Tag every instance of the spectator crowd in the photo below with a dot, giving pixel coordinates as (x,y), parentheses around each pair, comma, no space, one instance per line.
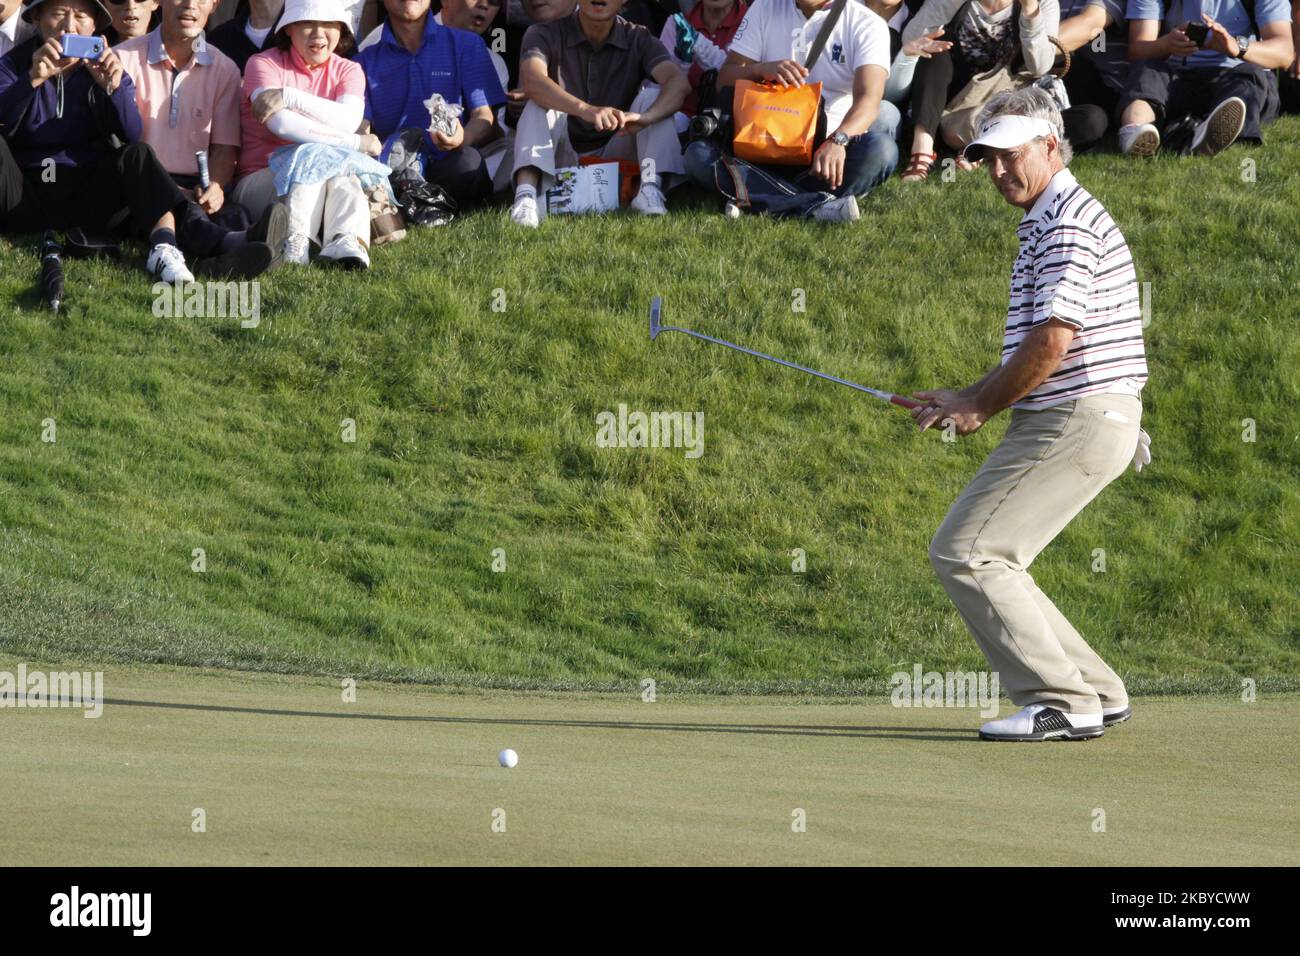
(237,135)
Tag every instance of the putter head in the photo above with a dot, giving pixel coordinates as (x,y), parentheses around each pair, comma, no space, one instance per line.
(656,304)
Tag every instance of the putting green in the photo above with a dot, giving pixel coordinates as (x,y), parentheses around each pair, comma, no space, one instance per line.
(287,773)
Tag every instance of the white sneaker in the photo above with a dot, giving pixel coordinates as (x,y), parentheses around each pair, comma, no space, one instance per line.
(844,209)
(1040,722)
(347,252)
(1221,128)
(295,250)
(1139,139)
(649,201)
(524,212)
(1116,715)
(165,262)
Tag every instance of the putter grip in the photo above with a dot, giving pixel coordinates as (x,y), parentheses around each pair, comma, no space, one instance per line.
(905,402)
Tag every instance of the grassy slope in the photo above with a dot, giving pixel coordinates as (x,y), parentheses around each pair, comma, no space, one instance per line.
(476,430)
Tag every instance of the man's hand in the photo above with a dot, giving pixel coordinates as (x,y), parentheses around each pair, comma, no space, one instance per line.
(1219,40)
(448,143)
(1177,43)
(939,396)
(828,164)
(268,104)
(966,413)
(516,100)
(927,45)
(604,118)
(785,72)
(107,71)
(48,62)
(210,200)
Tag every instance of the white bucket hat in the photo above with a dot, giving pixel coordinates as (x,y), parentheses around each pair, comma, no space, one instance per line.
(1008,131)
(326,11)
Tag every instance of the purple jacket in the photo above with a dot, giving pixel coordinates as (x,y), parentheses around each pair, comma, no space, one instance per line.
(68,119)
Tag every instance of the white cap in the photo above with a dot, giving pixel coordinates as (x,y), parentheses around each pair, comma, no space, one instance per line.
(1007,131)
(326,11)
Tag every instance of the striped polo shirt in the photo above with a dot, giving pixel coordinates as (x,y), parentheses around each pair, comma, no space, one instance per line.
(1074,265)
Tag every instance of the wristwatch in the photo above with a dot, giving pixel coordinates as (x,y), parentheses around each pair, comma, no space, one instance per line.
(839,138)
(1243,44)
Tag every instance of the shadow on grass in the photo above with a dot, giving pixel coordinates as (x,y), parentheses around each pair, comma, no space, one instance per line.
(799,730)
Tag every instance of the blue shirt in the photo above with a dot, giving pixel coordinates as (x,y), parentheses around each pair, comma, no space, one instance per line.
(452,62)
(1230,14)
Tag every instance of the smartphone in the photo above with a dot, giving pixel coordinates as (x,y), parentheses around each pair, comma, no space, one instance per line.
(1196,32)
(85,48)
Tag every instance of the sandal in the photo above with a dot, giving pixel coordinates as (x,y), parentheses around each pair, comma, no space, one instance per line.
(918,167)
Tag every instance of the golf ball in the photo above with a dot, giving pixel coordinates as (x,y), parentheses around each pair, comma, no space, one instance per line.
(507,758)
(732,211)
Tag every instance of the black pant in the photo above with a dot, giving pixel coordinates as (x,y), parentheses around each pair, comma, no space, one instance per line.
(1092,102)
(90,196)
(463,174)
(1289,90)
(1175,94)
(937,80)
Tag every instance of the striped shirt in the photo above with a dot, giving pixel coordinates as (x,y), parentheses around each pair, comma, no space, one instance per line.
(1074,265)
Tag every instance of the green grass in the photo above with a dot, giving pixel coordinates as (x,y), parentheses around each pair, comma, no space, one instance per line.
(476,431)
(288,774)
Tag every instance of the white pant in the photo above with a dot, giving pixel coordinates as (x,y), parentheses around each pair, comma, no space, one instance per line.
(542,141)
(329,209)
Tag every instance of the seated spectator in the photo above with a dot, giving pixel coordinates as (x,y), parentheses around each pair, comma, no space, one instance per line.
(60,167)
(522,14)
(131,18)
(985,34)
(1218,92)
(698,42)
(898,88)
(416,58)
(859,152)
(305,92)
(188,96)
(1096,35)
(248,32)
(13,28)
(477,16)
(596,86)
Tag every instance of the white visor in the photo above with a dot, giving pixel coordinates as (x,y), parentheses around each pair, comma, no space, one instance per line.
(1008,131)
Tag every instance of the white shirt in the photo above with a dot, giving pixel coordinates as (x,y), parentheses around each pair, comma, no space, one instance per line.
(14,31)
(777,30)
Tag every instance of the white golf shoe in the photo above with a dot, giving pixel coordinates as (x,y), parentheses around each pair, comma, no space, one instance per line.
(1115,715)
(844,209)
(524,212)
(347,252)
(1139,139)
(649,201)
(295,250)
(1040,722)
(166,262)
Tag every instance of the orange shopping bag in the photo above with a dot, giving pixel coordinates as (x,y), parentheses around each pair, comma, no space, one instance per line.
(775,124)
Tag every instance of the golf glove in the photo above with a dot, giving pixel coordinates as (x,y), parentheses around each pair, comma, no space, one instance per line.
(1142,454)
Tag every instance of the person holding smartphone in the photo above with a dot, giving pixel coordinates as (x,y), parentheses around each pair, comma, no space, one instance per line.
(1203,68)
(61,163)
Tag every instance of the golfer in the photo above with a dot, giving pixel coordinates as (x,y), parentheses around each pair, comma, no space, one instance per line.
(1072,371)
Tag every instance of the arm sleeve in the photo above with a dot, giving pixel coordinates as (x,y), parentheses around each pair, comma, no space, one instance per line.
(899,83)
(124,115)
(932,15)
(1065,264)
(15,96)
(536,43)
(652,52)
(748,39)
(668,37)
(708,55)
(480,85)
(343,114)
(1039,52)
(297,128)
(225,110)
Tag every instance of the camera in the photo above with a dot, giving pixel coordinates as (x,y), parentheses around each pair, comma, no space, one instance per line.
(85,48)
(712,124)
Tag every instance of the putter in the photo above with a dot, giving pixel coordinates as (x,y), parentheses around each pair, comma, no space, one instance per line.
(656,308)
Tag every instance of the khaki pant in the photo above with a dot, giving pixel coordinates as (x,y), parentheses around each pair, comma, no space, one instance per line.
(542,141)
(1049,465)
(329,209)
